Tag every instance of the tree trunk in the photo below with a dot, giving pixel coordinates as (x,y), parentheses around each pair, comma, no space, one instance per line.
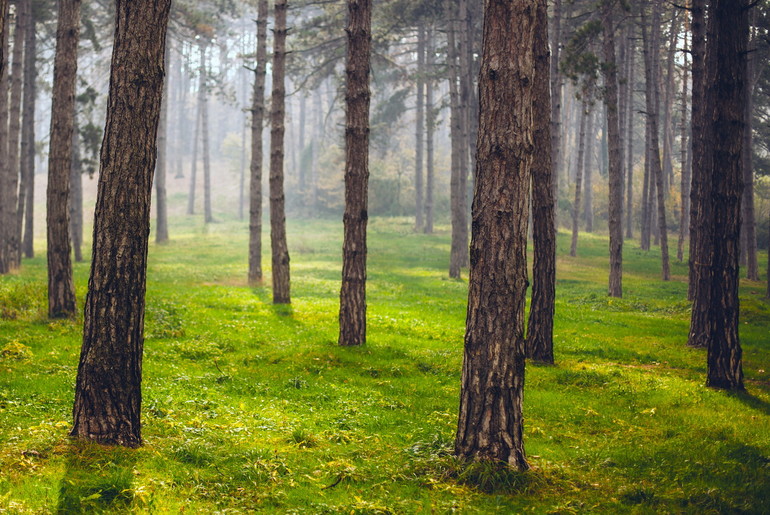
(419,129)
(630,74)
(457,193)
(3,33)
(161,205)
(108,393)
(430,123)
(749,227)
(684,217)
(208,217)
(257,123)
(280,250)
(5,228)
(76,195)
(61,288)
(466,154)
(668,105)
(183,130)
(726,97)
(579,174)
(490,421)
(196,139)
(556,140)
(27,189)
(13,242)
(357,98)
(614,163)
(588,205)
(539,343)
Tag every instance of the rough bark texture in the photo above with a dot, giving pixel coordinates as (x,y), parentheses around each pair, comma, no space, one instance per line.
(579,176)
(61,288)
(357,97)
(76,196)
(280,250)
(257,123)
(726,96)
(108,392)
(27,189)
(10,205)
(455,131)
(430,130)
(419,130)
(490,421)
(161,206)
(613,140)
(539,344)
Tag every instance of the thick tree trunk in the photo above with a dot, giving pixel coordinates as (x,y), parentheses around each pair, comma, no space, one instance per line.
(280,250)
(419,129)
(76,196)
(539,343)
(161,205)
(579,175)
(430,126)
(257,123)
(490,421)
(208,217)
(457,193)
(27,189)
(726,97)
(588,204)
(108,393)
(61,288)
(631,77)
(13,242)
(357,98)
(5,260)
(615,154)
(684,217)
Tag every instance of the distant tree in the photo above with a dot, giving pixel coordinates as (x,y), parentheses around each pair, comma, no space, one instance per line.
(419,129)
(108,389)
(5,261)
(684,161)
(430,125)
(490,421)
(458,207)
(749,226)
(161,203)
(61,288)
(556,37)
(203,98)
(539,344)
(76,195)
(357,97)
(280,250)
(585,113)
(257,123)
(3,32)
(27,186)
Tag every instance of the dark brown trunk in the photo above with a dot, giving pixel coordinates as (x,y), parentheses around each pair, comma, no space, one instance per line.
(27,186)
(615,155)
(726,97)
(631,77)
(108,393)
(357,98)
(490,421)
(280,250)
(61,288)
(579,175)
(76,196)
(457,193)
(419,130)
(430,126)
(11,204)
(161,205)
(539,343)
(257,123)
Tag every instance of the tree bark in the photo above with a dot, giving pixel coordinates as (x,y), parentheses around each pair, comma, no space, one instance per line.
(76,196)
(280,250)
(579,174)
(3,33)
(161,205)
(357,97)
(419,130)
(430,126)
(490,421)
(61,288)
(257,123)
(726,96)
(5,228)
(27,189)
(614,163)
(539,343)
(108,393)
(749,227)
(457,193)
(556,140)
(631,77)
(13,241)
(686,141)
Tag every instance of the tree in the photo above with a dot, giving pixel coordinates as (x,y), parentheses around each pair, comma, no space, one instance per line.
(108,390)
(430,124)
(539,344)
(490,421)
(161,205)
(357,97)
(257,122)
(3,33)
(726,97)
(615,152)
(27,191)
(10,204)
(585,113)
(280,250)
(5,261)
(61,288)
(419,129)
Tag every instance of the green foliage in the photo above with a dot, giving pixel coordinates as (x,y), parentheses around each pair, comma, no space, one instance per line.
(248,408)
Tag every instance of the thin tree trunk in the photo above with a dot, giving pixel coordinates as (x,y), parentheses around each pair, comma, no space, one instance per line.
(280,250)
(539,343)
(208,217)
(13,243)
(196,140)
(684,217)
(5,228)
(61,288)
(27,186)
(579,174)
(726,97)
(490,421)
(556,139)
(76,195)
(257,123)
(430,123)
(161,205)
(357,97)
(419,129)
(3,33)
(457,193)
(749,227)
(183,130)
(588,205)
(614,162)
(631,75)
(668,105)
(466,79)
(108,393)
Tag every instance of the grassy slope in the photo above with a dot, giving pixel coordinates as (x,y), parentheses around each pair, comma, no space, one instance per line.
(248,406)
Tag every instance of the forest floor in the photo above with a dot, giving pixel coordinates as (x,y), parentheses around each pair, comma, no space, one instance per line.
(252,407)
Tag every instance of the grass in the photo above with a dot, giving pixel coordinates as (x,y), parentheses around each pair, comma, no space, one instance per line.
(252,407)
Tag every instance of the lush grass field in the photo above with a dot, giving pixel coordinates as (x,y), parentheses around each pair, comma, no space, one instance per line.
(250,407)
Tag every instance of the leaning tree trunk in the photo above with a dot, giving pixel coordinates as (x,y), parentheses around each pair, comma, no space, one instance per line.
(13,242)
(76,196)
(579,174)
(280,250)
(490,421)
(61,288)
(726,96)
(257,122)
(108,393)
(357,97)
(456,128)
(419,130)
(615,166)
(27,189)
(430,126)
(539,343)
(161,204)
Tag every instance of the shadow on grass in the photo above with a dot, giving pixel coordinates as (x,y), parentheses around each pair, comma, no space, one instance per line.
(97,480)
(753,402)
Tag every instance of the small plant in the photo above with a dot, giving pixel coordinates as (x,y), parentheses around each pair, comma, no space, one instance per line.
(303,439)
(15,351)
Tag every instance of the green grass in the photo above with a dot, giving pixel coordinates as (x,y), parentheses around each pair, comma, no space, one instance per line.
(251,407)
